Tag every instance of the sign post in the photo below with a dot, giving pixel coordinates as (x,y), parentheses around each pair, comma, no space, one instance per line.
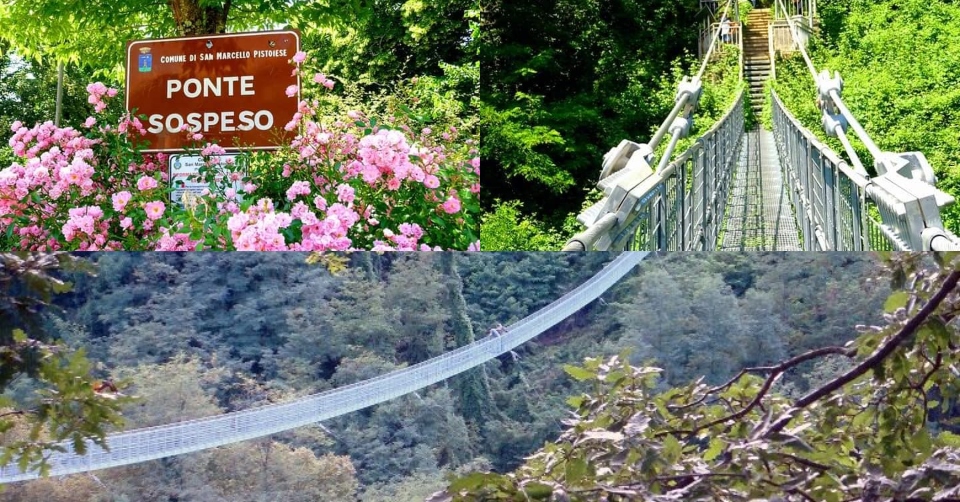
(231,88)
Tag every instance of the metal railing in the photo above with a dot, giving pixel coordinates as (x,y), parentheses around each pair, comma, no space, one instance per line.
(827,194)
(806,9)
(837,205)
(782,39)
(679,207)
(195,435)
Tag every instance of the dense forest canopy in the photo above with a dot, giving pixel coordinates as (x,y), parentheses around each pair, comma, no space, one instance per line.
(193,335)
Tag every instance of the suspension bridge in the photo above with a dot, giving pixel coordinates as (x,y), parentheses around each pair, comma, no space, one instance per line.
(763,189)
(141,445)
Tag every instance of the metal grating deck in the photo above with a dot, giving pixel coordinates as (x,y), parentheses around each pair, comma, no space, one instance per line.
(759,216)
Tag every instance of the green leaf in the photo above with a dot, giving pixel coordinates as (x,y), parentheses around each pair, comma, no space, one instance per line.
(473,481)
(537,490)
(921,442)
(578,373)
(896,301)
(671,449)
(714,450)
(576,470)
(575,401)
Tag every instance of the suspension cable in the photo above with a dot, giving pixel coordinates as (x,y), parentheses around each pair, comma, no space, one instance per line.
(835,96)
(861,132)
(682,99)
(857,164)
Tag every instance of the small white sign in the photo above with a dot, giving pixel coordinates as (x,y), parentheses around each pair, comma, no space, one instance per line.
(185,174)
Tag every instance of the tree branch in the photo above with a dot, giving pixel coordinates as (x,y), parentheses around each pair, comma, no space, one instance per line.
(874,360)
(775,371)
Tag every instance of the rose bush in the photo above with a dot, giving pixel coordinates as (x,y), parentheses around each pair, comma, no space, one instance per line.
(343,182)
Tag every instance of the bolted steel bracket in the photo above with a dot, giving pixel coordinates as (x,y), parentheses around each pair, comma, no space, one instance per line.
(618,157)
(831,122)
(827,84)
(911,165)
(693,87)
(681,126)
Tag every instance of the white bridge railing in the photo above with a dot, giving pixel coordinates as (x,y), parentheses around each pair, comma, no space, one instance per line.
(193,435)
(678,207)
(830,197)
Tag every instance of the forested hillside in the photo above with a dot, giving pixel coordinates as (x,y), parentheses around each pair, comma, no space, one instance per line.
(196,335)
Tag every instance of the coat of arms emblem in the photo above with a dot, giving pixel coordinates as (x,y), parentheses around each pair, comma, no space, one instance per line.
(145,61)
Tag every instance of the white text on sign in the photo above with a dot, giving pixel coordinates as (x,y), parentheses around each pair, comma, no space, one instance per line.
(210,86)
(228,121)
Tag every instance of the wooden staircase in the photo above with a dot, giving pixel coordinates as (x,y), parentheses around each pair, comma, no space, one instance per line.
(756,54)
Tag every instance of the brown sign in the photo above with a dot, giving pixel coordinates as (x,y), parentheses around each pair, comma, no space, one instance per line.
(231,88)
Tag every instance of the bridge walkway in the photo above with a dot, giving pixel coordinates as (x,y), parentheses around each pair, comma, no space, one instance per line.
(759,216)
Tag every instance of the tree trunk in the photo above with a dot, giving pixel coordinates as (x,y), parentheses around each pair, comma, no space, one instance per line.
(475,401)
(192,19)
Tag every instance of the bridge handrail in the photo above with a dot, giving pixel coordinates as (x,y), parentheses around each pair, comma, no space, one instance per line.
(830,195)
(160,441)
(695,185)
(908,202)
